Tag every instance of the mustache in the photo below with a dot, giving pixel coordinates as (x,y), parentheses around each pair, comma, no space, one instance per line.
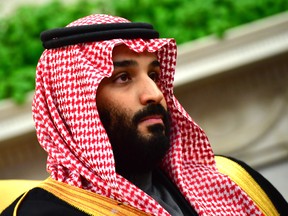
(151,109)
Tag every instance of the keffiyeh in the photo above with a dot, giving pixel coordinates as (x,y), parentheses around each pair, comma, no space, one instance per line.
(79,152)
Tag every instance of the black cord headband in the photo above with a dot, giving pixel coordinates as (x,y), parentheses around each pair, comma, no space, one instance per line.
(60,37)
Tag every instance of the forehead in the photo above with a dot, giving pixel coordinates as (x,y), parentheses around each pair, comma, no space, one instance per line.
(122,52)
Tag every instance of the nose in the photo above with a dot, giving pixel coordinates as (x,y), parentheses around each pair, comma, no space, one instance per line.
(150,92)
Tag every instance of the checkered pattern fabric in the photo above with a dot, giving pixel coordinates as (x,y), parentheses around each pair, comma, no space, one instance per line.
(79,152)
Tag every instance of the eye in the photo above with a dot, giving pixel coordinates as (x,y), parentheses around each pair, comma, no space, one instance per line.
(154,76)
(122,78)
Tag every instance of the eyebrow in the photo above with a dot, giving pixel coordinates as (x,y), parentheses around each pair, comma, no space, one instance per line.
(127,63)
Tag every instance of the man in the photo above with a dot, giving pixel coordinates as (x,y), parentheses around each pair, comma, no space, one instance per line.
(118,141)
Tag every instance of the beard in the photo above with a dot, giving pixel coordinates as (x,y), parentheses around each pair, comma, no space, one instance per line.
(133,152)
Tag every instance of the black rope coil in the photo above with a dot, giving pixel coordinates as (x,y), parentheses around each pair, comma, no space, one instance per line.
(59,37)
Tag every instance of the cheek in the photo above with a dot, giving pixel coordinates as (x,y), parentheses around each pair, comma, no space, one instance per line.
(119,99)
(114,105)
(108,96)
(104,98)
(164,104)
(113,102)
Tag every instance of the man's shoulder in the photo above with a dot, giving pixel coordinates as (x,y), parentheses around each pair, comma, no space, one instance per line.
(253,183)
(40,202)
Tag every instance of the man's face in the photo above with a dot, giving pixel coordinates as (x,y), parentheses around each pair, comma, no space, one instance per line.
(134,112)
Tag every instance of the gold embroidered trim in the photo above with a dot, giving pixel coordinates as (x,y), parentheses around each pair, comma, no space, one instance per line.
(242,178)
(19,203)
(87,201)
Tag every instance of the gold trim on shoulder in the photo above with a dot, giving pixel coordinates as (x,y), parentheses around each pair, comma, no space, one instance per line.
(87,201)
(15,211)
(243,179)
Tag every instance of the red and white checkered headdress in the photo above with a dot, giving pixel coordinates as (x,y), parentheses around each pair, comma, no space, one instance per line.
(79,152)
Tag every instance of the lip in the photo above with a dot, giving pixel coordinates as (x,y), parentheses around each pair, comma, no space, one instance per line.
(155,119)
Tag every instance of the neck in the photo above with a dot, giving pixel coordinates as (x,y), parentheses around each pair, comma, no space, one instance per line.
(141,180)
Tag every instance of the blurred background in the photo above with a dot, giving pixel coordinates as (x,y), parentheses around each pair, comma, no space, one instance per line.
(231,74)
